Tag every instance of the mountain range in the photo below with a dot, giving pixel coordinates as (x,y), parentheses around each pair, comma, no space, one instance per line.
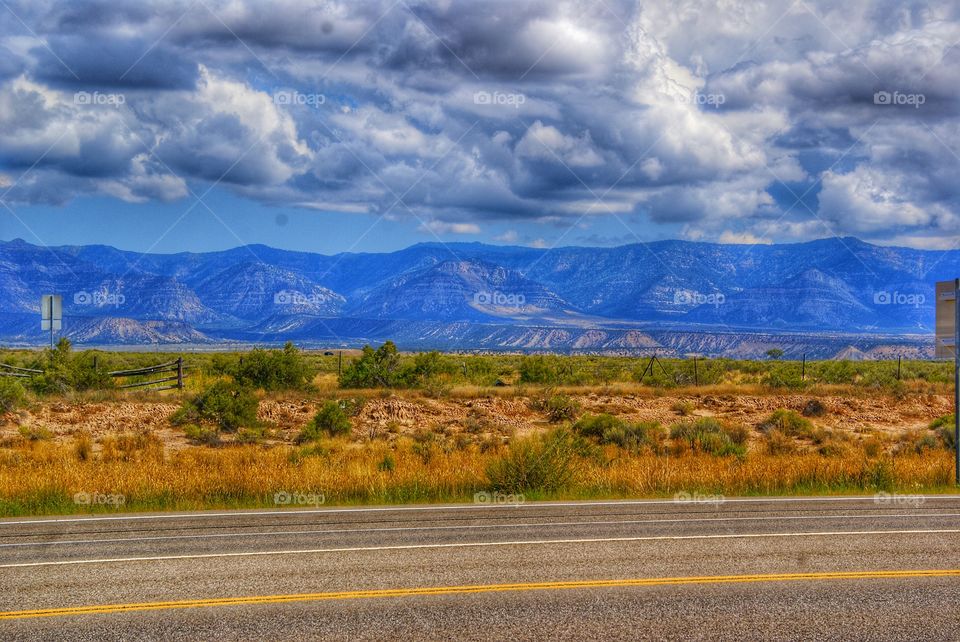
(669,296)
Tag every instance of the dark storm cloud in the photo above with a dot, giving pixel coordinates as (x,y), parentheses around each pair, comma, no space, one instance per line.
(483,111)
(110,63)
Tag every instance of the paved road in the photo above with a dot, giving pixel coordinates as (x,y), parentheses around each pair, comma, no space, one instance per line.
(797,568)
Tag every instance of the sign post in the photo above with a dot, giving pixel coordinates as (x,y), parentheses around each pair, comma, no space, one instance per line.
(51,314)
(947,343)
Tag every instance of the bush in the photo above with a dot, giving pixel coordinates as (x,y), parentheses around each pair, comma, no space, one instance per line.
(946,421)
(682,408)
(35,433)
(537,369)
(780,444)
(596,425)
(544,463)
(387,464)
(814,408)
(12,394)
(378,368)
(202,434)
(273,369)
(789,423)
(781,377)
(561,408)
(944,427)
(225,406)
(64,371)
(707,435)
(607,429)
(331,420)
(632,436)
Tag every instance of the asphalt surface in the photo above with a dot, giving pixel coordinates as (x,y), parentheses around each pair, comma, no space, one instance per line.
(794,568)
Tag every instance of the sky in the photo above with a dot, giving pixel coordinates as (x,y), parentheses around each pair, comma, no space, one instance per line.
(370,126)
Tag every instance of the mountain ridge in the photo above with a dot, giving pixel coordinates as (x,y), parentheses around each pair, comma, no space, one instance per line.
(831,285)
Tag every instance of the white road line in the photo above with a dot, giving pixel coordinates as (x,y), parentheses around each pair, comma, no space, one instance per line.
(455,507)
(336,531)
(544,542)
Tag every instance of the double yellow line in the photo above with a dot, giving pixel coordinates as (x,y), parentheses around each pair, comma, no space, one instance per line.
(482,588)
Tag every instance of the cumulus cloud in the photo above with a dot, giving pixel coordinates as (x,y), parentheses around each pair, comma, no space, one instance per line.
(441,227)
(749,120)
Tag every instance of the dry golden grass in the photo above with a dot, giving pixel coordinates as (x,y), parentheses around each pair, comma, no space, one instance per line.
(41,477)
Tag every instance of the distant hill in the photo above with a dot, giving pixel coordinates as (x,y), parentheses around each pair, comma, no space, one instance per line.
(475,296)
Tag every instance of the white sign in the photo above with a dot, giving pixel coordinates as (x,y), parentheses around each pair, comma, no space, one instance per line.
(51,312)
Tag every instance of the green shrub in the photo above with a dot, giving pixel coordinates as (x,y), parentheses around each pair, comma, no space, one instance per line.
(946,421)
(789,423)
(35,433)
(202,434)
(387,464)
(778,443)
(784,377)
(331,420)
(632,436)
(378,368)
(944,427)
(814,408)
(12,394)
(224,405)
(284,369)
(544,463)
(596,425)
(64,371)
(707,435)
(607,429)
(682,408)
(562,408)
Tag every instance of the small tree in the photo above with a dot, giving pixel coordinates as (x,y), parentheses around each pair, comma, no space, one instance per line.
(274,369)
(12,394)
(378,368)
(774,353)
(226,406)
(64,371)
(330,420)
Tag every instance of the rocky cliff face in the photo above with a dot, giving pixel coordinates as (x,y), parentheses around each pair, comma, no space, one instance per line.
(474,296)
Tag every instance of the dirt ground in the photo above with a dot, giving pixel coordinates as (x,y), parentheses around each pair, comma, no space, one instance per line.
(391,415)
